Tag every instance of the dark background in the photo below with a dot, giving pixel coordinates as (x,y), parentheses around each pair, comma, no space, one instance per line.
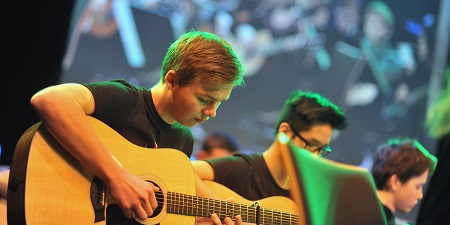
(33,44)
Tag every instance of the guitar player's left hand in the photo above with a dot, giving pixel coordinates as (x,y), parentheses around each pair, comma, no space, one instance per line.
(216,220)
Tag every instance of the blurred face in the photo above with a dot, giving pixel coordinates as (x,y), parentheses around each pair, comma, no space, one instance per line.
(198,101)
(217,153)
(376,28)
(409,193)
(318,137)
(347,18)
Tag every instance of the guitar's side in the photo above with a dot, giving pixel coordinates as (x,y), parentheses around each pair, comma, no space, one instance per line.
(56,188)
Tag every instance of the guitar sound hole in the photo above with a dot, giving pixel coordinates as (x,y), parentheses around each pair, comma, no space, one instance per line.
(115,216)
(159,198)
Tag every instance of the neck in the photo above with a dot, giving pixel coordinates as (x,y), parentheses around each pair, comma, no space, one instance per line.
(162,100)
(273,158)
(387,199)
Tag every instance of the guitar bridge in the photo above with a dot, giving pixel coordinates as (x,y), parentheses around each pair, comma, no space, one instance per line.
(98,192)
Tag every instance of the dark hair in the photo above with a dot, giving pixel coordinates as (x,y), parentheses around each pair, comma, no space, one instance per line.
(220,139)
(305,109)
(404,157)
(203,55)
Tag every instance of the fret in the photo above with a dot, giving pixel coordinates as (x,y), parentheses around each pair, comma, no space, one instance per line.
(169,204)
(181,204)
(189,204)
(180,210)
(230,209)
(240,210)
(248,218)
(252,215)
(282,219)
(196,206)
(176,210)
(203,207)
(209,208)
(222,209)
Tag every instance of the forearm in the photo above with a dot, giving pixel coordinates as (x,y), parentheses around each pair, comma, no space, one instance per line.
(203,190)
(203,169)
(66,121)
(4,176)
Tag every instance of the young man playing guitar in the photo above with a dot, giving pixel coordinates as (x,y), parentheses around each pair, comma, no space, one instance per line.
(198,73)
(308,119)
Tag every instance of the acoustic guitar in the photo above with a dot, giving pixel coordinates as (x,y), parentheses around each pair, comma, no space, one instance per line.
(49,186)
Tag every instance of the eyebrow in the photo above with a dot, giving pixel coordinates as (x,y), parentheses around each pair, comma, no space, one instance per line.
(318,143)
(215,99)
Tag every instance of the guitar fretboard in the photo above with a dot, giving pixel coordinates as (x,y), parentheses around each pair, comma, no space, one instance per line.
(197,206)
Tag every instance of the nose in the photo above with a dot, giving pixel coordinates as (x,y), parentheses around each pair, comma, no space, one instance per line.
(211,111)
(420,194)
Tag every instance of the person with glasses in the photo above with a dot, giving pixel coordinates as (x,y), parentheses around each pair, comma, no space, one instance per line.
(308,118)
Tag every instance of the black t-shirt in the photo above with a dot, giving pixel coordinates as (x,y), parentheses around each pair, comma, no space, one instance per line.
(435,207)
(130,111)
(389,215)
(247,175)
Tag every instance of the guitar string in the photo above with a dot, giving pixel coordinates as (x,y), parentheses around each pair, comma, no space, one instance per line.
(267,214)
(289,217)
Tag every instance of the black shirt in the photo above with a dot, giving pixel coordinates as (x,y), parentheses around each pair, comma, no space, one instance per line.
(130,111)
(390,217)
(247,175)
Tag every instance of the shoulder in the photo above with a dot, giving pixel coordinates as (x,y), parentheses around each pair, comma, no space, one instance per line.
(249,158)
(234,160)
(118,84)
(182,130)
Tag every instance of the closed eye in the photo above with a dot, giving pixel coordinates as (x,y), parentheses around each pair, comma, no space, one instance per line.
(203,100)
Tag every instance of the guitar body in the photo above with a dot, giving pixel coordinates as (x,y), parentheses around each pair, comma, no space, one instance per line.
(53,188)
(49,186)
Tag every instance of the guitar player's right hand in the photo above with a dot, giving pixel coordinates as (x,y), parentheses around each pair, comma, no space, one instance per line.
(133,195)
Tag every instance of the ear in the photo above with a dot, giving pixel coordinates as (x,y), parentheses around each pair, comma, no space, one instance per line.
(170,79)
(284,128)
(394,182)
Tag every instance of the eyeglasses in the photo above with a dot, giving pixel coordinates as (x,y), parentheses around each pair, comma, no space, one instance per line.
(323,151)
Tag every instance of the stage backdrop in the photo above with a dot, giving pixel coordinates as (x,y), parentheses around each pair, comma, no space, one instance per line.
(381,62)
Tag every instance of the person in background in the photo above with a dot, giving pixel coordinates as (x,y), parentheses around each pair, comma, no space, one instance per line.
(198,73)
(308,118)
(400,169)
(435,205)
(218,144)
(4,175)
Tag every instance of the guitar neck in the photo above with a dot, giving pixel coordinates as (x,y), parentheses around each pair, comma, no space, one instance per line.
(197,206)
